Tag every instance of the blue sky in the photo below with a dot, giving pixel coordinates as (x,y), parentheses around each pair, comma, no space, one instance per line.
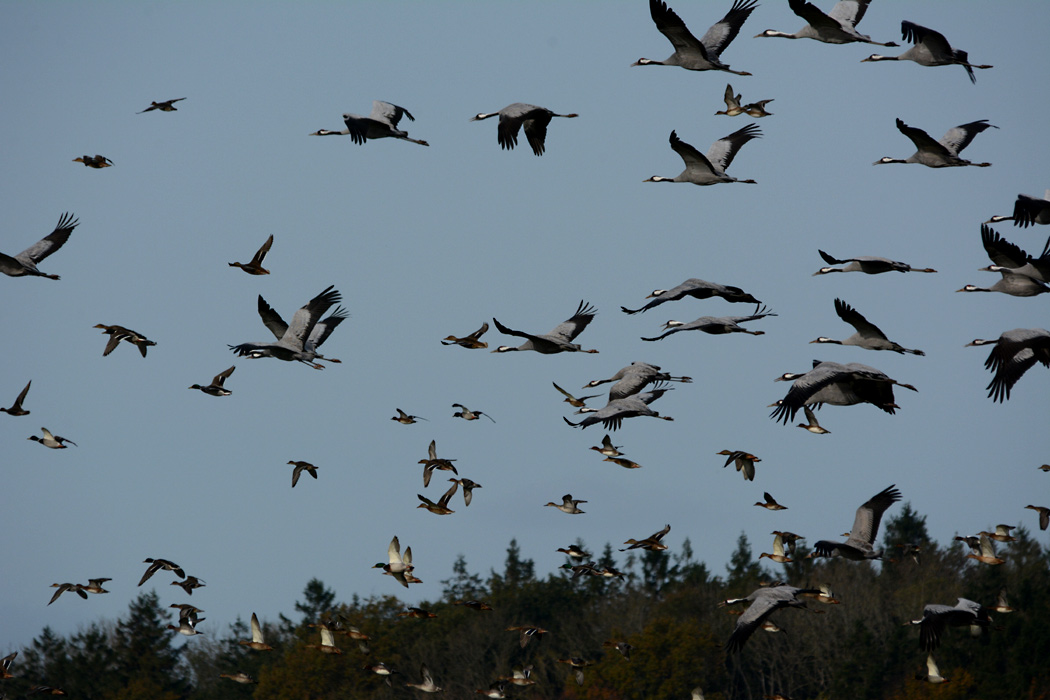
(426,242)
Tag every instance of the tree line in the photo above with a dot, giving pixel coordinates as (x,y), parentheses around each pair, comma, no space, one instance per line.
(665,607)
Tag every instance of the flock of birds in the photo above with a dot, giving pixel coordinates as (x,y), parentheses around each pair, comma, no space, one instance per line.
(638,385)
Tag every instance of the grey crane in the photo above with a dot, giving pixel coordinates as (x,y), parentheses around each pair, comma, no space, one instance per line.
(297,342)
(943,153)
(1013,283)
(1015,352)
(692,53)
(868,264)
(838,385)
(715,325)
(1028,210)
(24,264)
(836,27)
(633,378)
(560,337)
(763,602)
(1003,253)
(697,289)
(380,123)
(868,335)
(709,169)
(858,546)
(612,414)
(515,116)
(321,330)
(937,616)
(930,49)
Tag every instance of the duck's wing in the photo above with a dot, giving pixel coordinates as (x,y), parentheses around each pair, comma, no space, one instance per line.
(112,343)
(931,667)
(221,376)
(731,99)
(257,635)
(447,496)
(327,638)
(393,552)
(51,242)
(261,253)
(657,536)
(153,568)
(565,393)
